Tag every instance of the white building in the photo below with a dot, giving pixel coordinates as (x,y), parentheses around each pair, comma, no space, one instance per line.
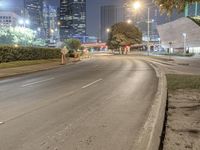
(181,33)
(8,19)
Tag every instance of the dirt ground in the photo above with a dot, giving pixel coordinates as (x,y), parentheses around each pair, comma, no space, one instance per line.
(183,120)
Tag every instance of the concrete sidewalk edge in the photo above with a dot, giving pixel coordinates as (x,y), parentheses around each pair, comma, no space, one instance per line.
(150,135)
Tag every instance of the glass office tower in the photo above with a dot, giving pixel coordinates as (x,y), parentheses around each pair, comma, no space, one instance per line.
(72,18)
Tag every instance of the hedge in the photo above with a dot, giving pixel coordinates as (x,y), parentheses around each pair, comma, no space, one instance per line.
(8,53)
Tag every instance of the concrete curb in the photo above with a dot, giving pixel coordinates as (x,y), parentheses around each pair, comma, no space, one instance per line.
(150,135)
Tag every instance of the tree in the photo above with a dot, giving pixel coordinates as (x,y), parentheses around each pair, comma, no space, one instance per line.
(170,5)
(123,34)
(73,44)
(20,36)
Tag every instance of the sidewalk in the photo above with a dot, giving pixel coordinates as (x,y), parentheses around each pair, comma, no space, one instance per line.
(9,72)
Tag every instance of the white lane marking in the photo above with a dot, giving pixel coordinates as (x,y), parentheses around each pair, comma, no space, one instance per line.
(91,83)
(1,123)
(37,82)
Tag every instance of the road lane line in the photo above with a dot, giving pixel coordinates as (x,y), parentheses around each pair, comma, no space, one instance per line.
(25,85)
(1,123)
(91,83)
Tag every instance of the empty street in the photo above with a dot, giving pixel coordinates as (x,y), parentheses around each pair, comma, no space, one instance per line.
(96,104)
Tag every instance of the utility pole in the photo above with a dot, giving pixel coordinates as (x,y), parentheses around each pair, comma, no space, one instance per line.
(148,31)
(184,41)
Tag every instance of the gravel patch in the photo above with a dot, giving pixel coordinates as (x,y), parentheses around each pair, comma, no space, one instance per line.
(183,120)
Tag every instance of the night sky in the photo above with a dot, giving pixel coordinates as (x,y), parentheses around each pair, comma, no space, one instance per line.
(93,11)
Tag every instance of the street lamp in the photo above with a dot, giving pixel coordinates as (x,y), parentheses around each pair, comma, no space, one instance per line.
(16,45)
(24,22)
(27,22)
(21,21)
(107,30)
(137,5)
(129,21)
(39,29)
(184,41)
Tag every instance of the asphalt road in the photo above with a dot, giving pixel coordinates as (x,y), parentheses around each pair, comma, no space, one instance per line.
(98,104)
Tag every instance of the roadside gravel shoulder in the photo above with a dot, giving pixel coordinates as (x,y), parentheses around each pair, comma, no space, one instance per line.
(183,120)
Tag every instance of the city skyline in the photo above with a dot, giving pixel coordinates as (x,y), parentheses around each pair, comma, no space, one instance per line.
(72,18)
(93,20)
(92,16)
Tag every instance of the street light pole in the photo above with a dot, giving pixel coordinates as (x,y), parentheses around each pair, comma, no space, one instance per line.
(148,31)
(184,41)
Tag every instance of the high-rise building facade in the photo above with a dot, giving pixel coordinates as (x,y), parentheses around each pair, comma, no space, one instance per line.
(50,21)
(34,12)
(193,10)
(8,19)
(72,18)
(110,14)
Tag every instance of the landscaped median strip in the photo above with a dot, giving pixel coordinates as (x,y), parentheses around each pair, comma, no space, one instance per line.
(29,66)
(25,67)
(26,63)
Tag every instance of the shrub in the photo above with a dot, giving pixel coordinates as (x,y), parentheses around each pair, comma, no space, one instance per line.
(9,53)
(73,44)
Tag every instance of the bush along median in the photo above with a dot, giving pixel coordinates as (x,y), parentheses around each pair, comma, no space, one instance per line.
(9,53)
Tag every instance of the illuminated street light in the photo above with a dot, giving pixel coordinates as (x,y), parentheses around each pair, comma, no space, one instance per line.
(24,22)
(129,21)
(39,29)
(21,21)
(107,30)
(136,5)
(59,23)
(52,31)
(16,45)
(27,22)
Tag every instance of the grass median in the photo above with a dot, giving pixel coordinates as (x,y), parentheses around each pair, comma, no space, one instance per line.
(26,63)
(176,82)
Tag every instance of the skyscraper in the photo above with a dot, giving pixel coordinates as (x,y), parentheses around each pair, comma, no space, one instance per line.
(50,21)
(192,9)
(33,11)
(110,15)
(72,18)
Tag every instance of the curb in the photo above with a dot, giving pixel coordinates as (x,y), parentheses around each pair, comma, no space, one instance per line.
(151,134)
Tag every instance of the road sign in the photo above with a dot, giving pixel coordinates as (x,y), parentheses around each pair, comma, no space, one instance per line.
(64,51)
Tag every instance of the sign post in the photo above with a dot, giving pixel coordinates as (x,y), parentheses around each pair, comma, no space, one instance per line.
(64,51)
